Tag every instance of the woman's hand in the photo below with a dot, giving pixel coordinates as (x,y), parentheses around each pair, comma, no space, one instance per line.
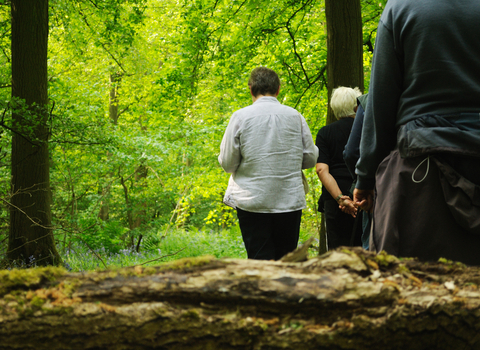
(346,204)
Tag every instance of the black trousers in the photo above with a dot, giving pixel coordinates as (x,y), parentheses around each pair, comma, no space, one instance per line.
(340,226)
(269,236)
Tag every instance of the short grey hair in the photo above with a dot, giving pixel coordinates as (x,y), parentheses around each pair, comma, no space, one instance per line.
(264,81)
(344,101)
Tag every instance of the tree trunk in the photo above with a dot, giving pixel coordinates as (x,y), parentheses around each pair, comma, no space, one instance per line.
(115,80)
(344,46)
(322,236)
(104,212)
(136,210)
(30,238)
(140,209)
(345,299)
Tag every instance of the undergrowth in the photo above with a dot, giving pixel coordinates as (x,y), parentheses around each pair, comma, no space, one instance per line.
(158,246)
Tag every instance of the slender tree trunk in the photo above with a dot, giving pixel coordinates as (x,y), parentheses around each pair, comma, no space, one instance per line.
(344,46)
(140,209)
(322,233)
(103,213)
(115,80)
(136,210)
(31,234)
(103,191)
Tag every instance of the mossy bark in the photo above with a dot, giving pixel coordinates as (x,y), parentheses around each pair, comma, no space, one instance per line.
(345,299)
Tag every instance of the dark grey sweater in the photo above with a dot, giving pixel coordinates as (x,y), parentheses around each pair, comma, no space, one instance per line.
(426,61)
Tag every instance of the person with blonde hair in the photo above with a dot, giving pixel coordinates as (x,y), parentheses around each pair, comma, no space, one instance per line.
(344,101)
(335,201)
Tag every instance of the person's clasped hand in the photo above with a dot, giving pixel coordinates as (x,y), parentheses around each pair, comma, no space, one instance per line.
(346,204)
(364,199)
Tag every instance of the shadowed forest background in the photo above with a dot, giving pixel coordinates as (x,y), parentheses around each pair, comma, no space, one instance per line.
(139,95)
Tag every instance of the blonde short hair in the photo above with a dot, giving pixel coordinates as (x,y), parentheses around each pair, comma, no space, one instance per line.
(344,101)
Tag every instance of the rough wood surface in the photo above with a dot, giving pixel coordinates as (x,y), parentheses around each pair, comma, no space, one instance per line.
(345,299)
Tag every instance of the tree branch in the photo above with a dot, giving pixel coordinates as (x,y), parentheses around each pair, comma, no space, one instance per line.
(287,26)
(163,256)
(322,72)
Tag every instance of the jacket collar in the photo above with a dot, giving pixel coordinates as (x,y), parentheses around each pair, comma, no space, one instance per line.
(266,99)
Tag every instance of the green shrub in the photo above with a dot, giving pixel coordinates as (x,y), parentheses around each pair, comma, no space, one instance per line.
(98,234)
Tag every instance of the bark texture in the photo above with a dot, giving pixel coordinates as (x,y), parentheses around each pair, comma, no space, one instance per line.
(345,299)
(344,47)
(30,234)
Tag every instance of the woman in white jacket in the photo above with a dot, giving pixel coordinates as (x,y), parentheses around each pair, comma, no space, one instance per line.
(265,146)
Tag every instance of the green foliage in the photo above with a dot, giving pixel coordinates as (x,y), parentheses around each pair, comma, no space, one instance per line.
(159,247)
(176,245)
(224,243)
(142,91)
(97,234)
(371,12)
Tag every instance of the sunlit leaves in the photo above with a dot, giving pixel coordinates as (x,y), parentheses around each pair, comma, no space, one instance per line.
(183,67)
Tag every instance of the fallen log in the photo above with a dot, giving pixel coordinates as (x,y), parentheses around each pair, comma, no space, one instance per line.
(345,299)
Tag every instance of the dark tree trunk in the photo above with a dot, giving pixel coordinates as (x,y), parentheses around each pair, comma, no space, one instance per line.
(30,215)
(345,299)
(322,233)
(344,46)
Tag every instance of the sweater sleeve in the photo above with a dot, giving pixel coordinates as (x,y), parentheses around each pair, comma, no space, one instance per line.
(351,154)
(310,151)
(379,130)
(230,153)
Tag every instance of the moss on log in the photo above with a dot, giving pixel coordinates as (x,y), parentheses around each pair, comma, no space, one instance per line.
(345,299)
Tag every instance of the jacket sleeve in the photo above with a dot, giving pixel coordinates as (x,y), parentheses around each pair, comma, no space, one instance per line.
(230,153)
(310,151)
(351,154)
(379,133)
